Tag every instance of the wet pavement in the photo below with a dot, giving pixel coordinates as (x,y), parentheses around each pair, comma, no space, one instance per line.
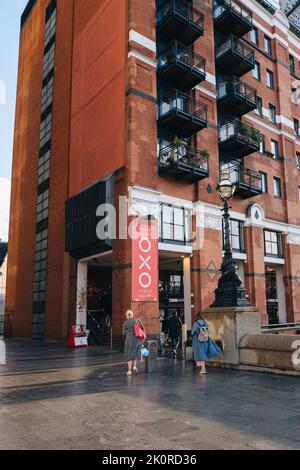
(54,398)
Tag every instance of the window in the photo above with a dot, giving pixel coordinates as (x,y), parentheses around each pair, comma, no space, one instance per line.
(47,95)
(256,71)
(264,182)
(45,130)
(298,160)
(236,236)
(49,61)
(296,127)
(268,45)
(175,224)
(50,28)
(254,35)
(40,266)
(275,149)
(259,107)
(292,63)
(44,167)
(272,113)
(294,95)
(262,147)
(277,187)
(270,79)
(273,244)
(42,206)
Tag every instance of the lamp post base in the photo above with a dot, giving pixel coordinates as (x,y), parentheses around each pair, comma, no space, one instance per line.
(231,296)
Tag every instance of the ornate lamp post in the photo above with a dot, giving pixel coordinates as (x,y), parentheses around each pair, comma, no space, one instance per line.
(230,291)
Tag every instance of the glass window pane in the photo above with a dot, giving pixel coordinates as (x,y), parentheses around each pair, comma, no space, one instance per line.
(178,233)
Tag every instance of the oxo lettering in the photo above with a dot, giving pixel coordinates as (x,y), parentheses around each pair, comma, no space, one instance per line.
(145,278)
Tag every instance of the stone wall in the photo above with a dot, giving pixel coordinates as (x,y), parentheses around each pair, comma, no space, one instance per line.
(271,351)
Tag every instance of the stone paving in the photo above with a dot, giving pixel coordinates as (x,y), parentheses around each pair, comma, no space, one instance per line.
(54,398)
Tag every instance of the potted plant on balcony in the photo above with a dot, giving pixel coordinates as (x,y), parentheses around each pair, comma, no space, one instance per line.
(244,130)
(201,156)
(256,136)
(179,150)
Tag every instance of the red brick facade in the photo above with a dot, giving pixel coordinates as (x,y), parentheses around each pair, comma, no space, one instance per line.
(105,118)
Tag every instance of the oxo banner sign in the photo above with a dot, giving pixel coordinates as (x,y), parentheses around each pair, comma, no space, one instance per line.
(145,262)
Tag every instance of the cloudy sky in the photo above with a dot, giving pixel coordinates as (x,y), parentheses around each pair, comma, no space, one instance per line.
(10,12)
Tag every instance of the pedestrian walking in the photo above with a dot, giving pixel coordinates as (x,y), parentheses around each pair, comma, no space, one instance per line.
(133,343)
(174,331)
(204,348)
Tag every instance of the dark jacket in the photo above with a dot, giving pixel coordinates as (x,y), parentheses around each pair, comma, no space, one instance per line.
(174,327)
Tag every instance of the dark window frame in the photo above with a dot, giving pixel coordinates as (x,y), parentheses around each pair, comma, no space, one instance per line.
(270,74)
(258,78)
(272,113)
(186,230)
(268,40)
(264,177)
(277,180)
(278,253)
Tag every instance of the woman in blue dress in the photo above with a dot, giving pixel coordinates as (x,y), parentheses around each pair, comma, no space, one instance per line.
(204,348)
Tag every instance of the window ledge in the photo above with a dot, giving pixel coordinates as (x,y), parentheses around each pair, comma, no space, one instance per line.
(271,260)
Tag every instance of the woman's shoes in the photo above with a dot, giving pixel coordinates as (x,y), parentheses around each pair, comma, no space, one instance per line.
(203,372)
(135,370)
(129,373)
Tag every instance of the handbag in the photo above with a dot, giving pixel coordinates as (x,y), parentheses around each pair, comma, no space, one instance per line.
(139,332)
(203,334)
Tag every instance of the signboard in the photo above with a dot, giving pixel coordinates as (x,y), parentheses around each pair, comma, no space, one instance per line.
(145,262)
(78,337)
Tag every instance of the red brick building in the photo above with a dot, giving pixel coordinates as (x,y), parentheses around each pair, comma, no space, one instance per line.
(148,100)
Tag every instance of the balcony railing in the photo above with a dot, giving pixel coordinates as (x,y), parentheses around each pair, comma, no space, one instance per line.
(183,161)
(236,56)
(248,182)
(232,16)
(238,138)
(181,114)
(268,6)
(235,96)
(178,19)
(181,67)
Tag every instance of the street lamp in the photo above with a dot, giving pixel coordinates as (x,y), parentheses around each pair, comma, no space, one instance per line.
(230,291)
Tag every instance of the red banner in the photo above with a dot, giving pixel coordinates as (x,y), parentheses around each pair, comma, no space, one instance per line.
(145,262)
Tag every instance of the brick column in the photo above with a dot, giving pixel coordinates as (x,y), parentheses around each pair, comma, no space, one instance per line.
(291,246)
(206,262)
(255,269)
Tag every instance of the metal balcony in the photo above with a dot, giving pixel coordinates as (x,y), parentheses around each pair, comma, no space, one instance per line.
(247,181)
(231,16)
(181,67)
(181,114)
(235,56)
(235,96)
(178,19)
(183,161)
(238,139)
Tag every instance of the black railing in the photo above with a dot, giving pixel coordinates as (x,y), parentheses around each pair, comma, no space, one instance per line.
(239,175)
(236,87)
(182,155)
(179,53)
(232,5)
(240,130)
(267,5)
(182,8)
(182,103)
(237,47)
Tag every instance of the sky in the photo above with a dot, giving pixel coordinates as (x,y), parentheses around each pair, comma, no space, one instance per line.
(10,13)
